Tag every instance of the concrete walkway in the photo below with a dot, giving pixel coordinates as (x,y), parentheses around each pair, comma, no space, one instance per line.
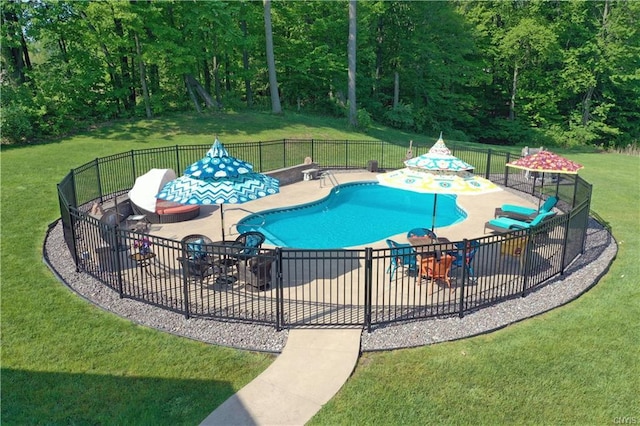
(310,370)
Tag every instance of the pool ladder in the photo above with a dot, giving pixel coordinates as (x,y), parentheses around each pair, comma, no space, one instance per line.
(247,211)
(328,175)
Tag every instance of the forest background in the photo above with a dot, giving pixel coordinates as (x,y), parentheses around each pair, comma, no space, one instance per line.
(562,73)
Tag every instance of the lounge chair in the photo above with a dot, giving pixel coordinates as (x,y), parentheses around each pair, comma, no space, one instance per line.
(505,224)
(525,213)
(144,202)
(402,255)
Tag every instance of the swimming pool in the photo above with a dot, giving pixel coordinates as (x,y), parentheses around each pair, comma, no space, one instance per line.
(353,214)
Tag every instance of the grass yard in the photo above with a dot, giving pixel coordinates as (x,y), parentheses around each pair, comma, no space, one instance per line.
(65,361)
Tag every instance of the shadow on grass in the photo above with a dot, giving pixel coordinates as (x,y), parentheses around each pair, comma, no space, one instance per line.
(37,397)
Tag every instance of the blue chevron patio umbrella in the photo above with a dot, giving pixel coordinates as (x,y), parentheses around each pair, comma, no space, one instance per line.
(220,179)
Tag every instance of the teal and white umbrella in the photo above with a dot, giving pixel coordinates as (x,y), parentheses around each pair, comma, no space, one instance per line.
(437,172)
(217,163)
(219,179)
(438,158)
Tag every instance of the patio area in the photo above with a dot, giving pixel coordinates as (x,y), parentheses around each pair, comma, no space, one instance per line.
(479,208)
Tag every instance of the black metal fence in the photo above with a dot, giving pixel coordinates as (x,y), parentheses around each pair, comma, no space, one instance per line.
(293,288)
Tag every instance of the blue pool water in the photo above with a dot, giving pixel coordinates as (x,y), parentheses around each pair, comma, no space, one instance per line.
(352,214)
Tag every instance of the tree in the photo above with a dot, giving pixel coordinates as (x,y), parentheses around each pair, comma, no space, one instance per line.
(527,44)
(271,62)
(353,111)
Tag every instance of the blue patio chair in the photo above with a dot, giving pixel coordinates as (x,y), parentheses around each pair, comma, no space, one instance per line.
(402,255)
(464,257)
(505,224)
(525,213)
(248,244)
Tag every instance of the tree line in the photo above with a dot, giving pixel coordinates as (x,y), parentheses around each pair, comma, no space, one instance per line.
(501,72)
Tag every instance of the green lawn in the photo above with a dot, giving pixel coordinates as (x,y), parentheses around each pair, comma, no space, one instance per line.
(67,362)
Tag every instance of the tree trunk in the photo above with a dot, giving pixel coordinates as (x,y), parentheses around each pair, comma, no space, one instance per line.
(227,74)
(379,53)
(206,97)
(15,54)
(192,95)
(125,69)
(216,80)
(353,109)
(207,74)
(111,68)
(245,66)
(143,77)
(586,106)
(396,89)
(514,85)
(273,81)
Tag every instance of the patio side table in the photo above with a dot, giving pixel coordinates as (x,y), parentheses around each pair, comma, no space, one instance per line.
(143,262)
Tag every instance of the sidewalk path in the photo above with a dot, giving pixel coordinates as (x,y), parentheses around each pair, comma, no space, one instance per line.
(310,370)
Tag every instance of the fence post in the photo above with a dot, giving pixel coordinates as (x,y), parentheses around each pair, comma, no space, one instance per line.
(118,252)
(368,284)
(279,291)
(506,170)
(72,224)
(486,172)
(177,158)
(133,166)
(566,240)
(185,282)
(465,247)
(284,153)
(98,179)
(527,262)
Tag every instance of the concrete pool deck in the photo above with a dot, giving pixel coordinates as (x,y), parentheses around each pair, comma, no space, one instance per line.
(479,208)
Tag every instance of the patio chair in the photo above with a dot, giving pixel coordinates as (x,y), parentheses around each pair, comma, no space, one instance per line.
(525,213)
(435,270)
(196,261)
(464,257)
(248,245)
(505,224)
(402,256)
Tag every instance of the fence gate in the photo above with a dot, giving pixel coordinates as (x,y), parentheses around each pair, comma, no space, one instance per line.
(322,287)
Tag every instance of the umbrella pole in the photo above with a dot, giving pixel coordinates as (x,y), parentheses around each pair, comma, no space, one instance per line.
(541,191)
(222,221)
(433,218)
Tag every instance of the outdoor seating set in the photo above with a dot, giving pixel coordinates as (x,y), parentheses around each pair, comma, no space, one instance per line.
(227,261)
(424,256)
(433,258)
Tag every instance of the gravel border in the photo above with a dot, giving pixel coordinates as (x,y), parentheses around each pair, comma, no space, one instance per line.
(580,276)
